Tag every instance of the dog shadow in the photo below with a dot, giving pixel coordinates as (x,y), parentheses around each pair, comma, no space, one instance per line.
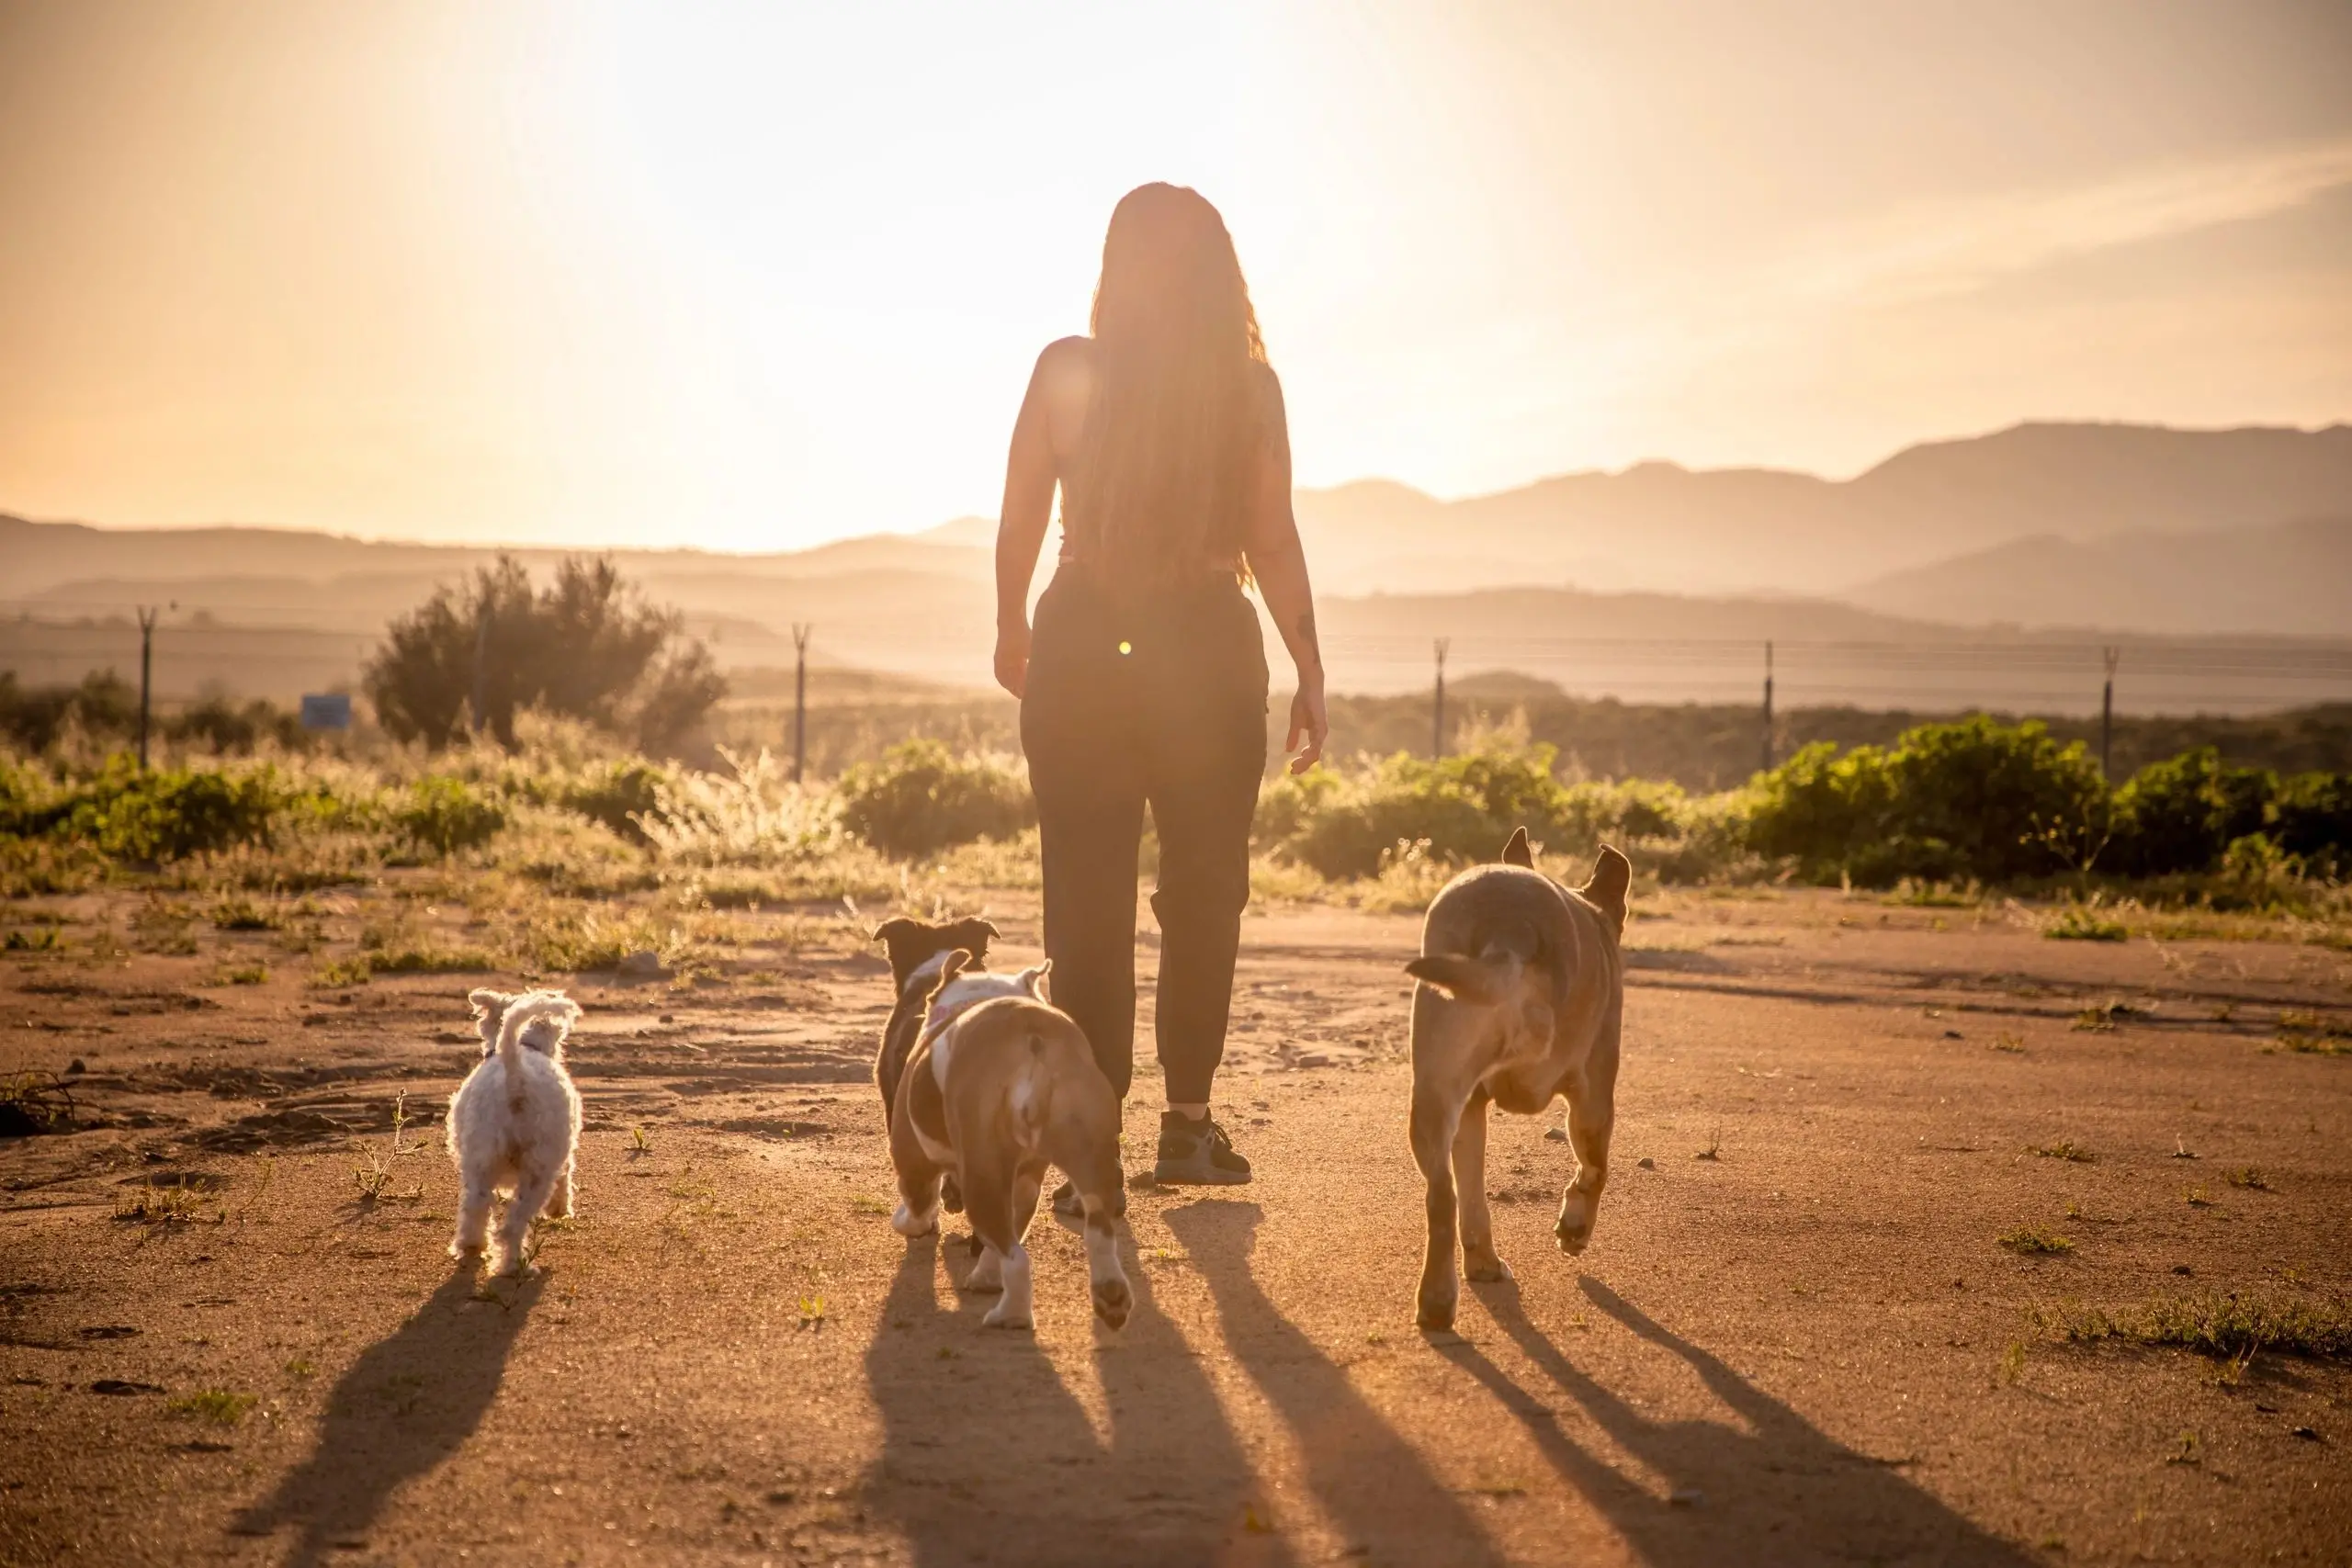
(1779,1490)
(988,1457)
(407,1404)
(1372,1482)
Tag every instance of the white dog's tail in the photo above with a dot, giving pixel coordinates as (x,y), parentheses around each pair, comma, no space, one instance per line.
(525,1011)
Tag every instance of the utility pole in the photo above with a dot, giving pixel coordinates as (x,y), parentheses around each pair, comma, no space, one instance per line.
(2112,656)
(147,613)
(1768,707)
(1437,713)
(801,632)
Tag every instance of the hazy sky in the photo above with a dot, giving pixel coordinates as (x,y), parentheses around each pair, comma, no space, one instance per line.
(752,276)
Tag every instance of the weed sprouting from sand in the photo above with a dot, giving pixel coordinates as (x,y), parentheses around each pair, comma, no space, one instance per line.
(2036,1241)
(2080,923)
(2222,1325)
(158,1203)
(812,1311)
(217,1406)
(254,973)
(373,1174)
(240,913)
(2011,1042)
(639,1145)
(35,1102)
(1714,1149)
(2065,1149)
(2311,1033)
(2249,1177)
(2197,1197)
(864,1203)
(2013,1363)
(2184,1450)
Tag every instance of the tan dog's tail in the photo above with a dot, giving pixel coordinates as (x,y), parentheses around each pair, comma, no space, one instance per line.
(1484,980)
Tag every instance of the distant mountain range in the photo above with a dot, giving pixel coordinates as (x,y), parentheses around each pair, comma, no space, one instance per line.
(1662,527)
(2120,528)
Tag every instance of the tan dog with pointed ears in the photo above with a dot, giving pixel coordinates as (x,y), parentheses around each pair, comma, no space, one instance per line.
(1521,998)
(994,1091)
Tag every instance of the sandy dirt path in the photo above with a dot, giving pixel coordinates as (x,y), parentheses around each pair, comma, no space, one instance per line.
(1797,1337)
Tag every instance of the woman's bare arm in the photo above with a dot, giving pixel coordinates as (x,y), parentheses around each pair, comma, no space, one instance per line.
(1278,561)
(1029,476)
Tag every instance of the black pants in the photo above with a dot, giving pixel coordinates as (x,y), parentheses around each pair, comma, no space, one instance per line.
(1164,705)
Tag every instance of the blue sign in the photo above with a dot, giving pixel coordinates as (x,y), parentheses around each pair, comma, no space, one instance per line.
(329,710)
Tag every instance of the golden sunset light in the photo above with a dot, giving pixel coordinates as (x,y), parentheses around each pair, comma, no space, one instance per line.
(754,276)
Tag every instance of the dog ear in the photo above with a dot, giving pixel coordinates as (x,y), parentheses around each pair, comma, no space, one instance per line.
(973,936)
(1518,852)
(902,937)
(957,962)
(1459,975)
(1033,979)
(1613,874)
(489,1008)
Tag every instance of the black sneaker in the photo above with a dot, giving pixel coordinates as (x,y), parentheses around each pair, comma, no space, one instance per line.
(1196,1154)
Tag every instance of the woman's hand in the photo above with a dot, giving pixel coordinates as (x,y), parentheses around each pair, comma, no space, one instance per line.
(1307,718)
(1013,659)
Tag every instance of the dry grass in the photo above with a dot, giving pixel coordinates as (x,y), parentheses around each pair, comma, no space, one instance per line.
(2224,1326)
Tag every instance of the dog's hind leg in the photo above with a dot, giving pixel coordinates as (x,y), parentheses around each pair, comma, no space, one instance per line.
(1436,1114)
(560,1199)
(1478,1259)
(918,1211)
(473,1215)
(1593,1116)
(990,1191)
(531,1190)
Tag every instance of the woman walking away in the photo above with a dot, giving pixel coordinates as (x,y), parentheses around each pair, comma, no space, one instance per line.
(1145,679)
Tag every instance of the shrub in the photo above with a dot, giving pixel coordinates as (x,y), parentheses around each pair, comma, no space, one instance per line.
(2181,814)
(447,815)
(617,795)
(2311,816)
(172,813)
(588,647)
(227,726)
(922,799)
(1976,798)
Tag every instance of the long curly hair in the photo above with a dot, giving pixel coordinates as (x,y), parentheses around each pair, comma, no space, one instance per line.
(1178,409)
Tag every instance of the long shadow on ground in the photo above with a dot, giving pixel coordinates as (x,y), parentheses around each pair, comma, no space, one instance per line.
(1371,1482)
(407,1404)
(1782,1491)
(987,1458)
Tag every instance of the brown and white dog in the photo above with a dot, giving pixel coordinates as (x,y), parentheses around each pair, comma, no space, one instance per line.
(919,950)
(1521,998)
(998,1087)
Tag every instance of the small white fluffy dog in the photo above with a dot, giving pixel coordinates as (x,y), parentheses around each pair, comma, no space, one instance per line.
(514,1123)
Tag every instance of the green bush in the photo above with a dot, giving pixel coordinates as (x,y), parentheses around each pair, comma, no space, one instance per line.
(1460,810)
(445,815)
(922,799)
(2311,816)
(172,813)
(2181,814)
(617,794)
(1976,798)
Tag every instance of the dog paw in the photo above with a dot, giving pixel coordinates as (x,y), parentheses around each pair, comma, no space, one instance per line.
(998,1317)
(463,1249)
(910,1225)
(1112,1302)
(1485,1269)
(987,1275)
(1435,1310)
(1574,1227)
